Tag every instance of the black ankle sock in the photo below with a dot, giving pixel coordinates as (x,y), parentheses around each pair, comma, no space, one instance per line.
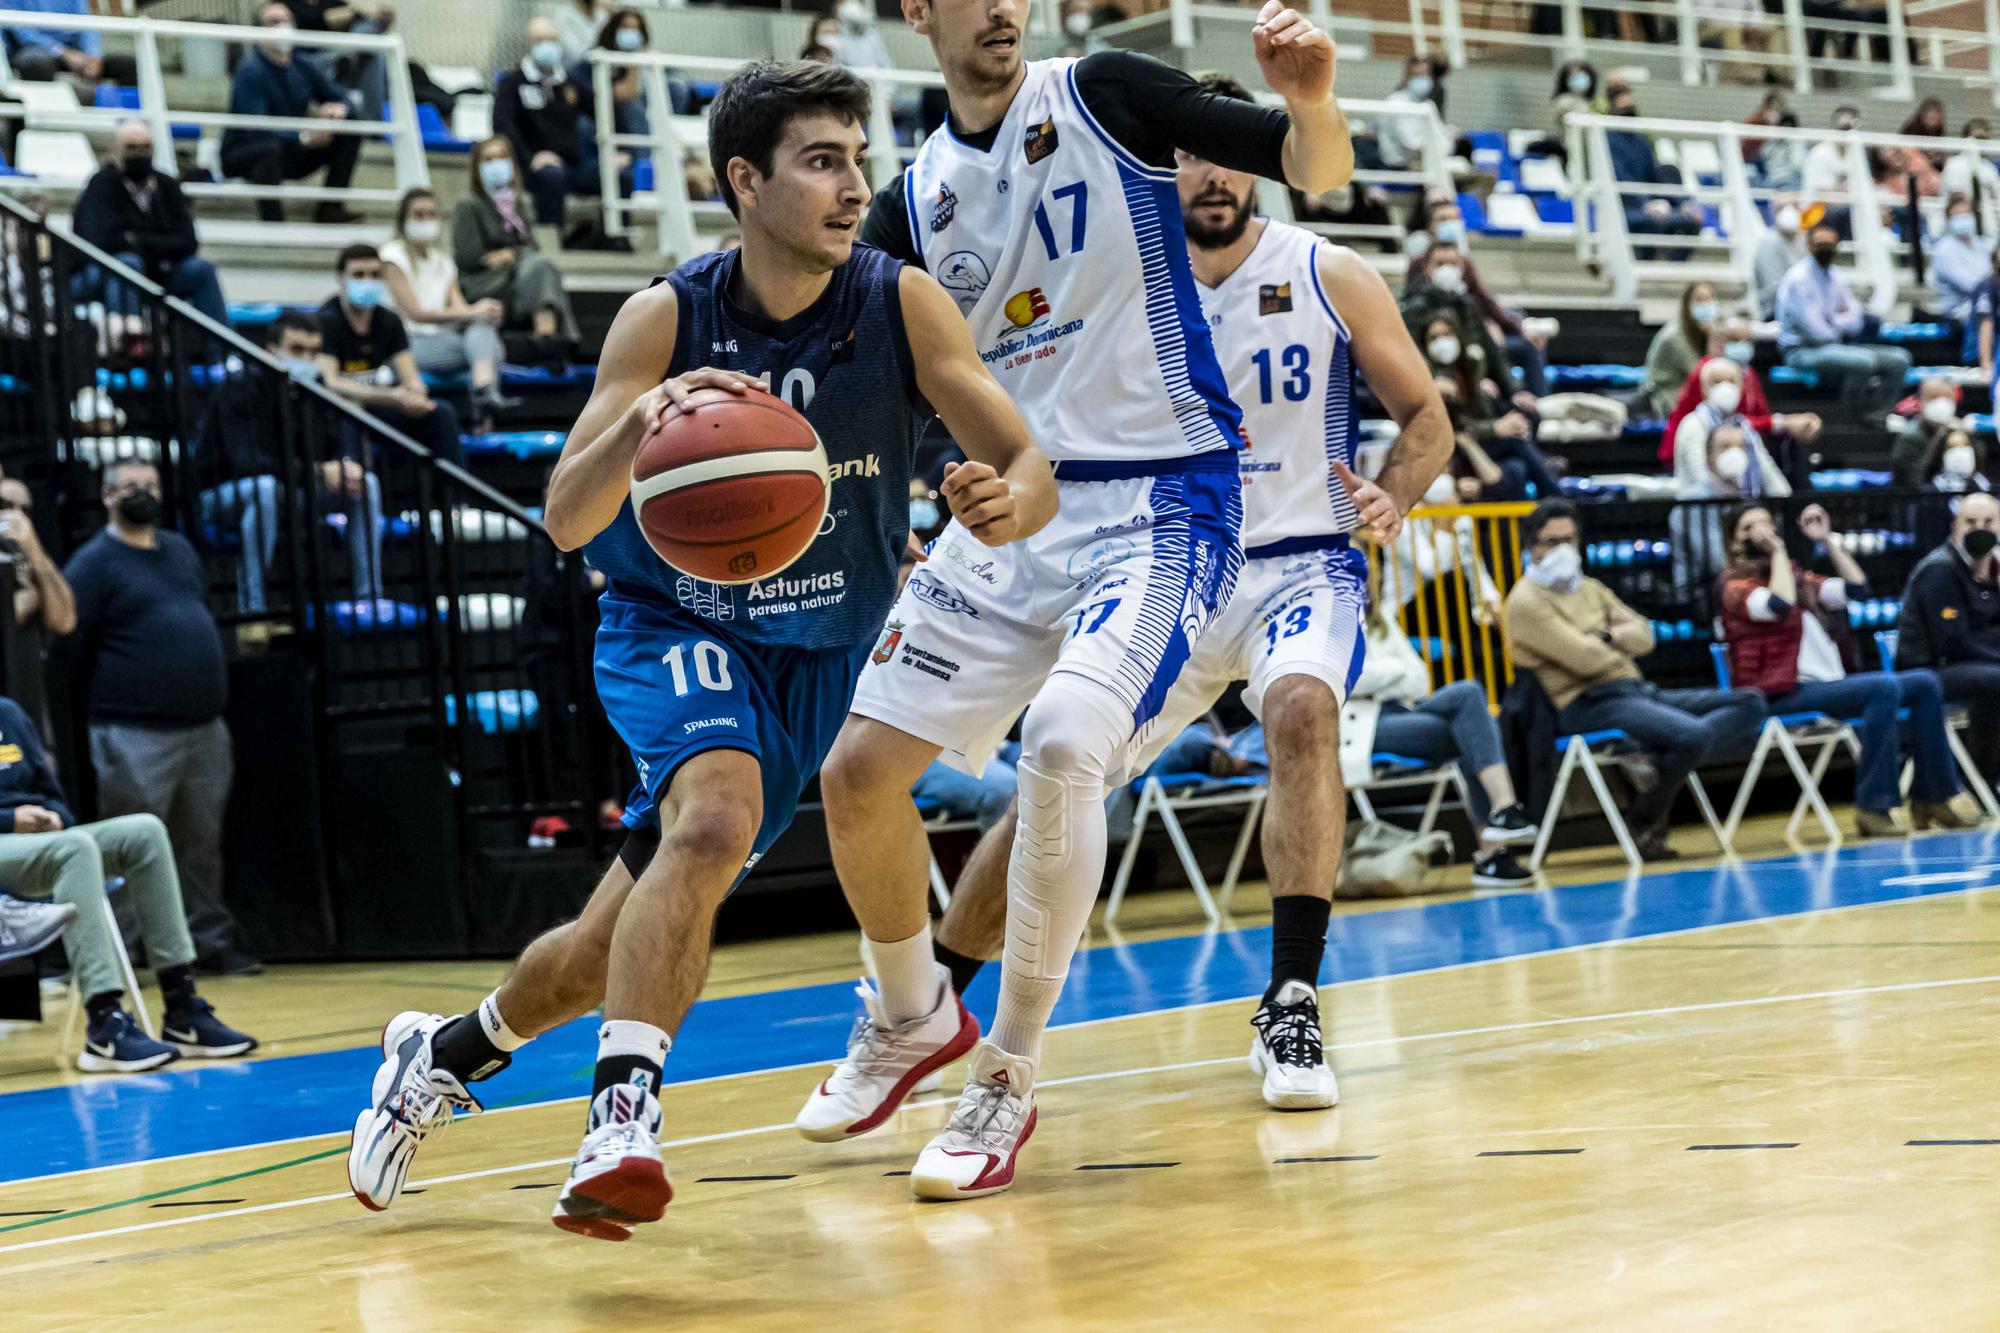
(963,968)
(1298,940)
(613,1070)
(462,1049)
(103,1005)
(176,985)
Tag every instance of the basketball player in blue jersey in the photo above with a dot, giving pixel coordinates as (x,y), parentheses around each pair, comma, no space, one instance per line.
(728,696)
(1047,207)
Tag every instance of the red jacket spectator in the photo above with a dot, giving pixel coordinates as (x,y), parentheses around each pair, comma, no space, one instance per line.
(1764,633)
(1754,406)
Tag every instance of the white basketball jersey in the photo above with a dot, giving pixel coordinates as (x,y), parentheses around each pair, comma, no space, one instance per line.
(1067,255)
(1285,357)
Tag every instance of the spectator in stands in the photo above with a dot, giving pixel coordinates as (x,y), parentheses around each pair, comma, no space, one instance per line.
(1752,405)
(625,30)
(1076,25)
(1950,622)
(1826,181)
(537,108)
(1693,333)
(1750,470)
(139,214)
(856,42)
(1920,422)
(365,72)
(240,458)
(1398,138)
(1923,166)
(40,54)
(1444,223)
(149,648)
(1582,643)
(1633,161)
(1961,260)
(496,252)
(42,598)
(1576,87)
(577,24)
(365,354)
(448,334)
(1781,165)
(1789,640)
(1438,289)
(1972,174)
(46,853)
(1819,326)
(1956,464)
(1781,247)
(1499,444)
(1768,112)
(271,82)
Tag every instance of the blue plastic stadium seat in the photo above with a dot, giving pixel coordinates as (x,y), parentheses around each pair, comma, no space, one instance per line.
(1381,759)
(117,97)
(1645,428)
(1591,489)
(1918,374)
(544,377)
(496,711)
(1555,210)
(1207,782)
(1590,738)
(526,445)
(456,380)
(1850,479)
(1804,379)
(437,136)
(1914,332)
(373,617)
(1981,422)
(1600,376)
(642,173)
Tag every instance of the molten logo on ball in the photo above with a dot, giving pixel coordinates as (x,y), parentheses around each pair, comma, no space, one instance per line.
(745,563)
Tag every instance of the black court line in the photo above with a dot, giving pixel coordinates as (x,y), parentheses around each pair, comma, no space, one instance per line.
(887,1174)
(413,1191)
(1950,1143)
(551,1185)
(1126,1166)
(1532,1152)
(719,1180)
(1735,1147)
(1291,1161)
(195,1203)
(36,1212)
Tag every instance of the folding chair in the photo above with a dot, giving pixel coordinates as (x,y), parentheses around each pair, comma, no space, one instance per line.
(1171,793)
(937,819)
(1395,770)
(1955,718)
(1785,733)
(1580,752)
(131,978)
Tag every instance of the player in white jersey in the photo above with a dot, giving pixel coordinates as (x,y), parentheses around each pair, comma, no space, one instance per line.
(1294,318)
(1047,206)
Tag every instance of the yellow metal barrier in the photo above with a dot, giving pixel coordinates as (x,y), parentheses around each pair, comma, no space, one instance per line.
(1444,579)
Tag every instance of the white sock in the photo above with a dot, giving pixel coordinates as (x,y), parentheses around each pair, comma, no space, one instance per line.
(1059,846)
(628,1036)
(906,972)
(503,1037)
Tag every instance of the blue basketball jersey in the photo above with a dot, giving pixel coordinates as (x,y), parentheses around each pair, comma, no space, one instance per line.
(845,363)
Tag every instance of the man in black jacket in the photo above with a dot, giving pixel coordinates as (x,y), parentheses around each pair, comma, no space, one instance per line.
(139,214)
(272,82)
(1950,622)
(537,108)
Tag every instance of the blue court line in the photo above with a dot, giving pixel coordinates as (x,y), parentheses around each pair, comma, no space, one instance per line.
(142,1117)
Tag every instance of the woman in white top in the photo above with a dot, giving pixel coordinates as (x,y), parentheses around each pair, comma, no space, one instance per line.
(448,335)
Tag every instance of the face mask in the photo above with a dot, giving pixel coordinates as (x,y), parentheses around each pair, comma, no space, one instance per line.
(1419,86)
(301,368)
(138,167)
(1417,244)
(1788,220)
(1961,224)
(629,39)
(1979,543)
(548,55)
(1823,255)
(854,13)
(279,37)
(1558,567)
(1076,24)
(1451,231)
(1441,491)
(496,173)
(1704,312)
(1960,460)
(422,230)
(1732,465)
(1740,353)
(139,508)
(1579,83)
(1937,411)
(923,514)
(1444,351)
(366,293)
(1448,278)
(1724,396)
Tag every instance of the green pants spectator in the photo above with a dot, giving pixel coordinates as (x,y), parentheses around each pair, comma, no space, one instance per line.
(72,866)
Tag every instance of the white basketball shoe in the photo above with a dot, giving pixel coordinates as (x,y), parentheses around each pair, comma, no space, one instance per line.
(885,1063)
(996,1114)
(411,1099)
(1287,1053)
(618,1179)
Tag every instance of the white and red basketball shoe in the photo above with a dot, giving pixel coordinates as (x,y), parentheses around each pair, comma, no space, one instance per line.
(618,1179)
(410,1100)
(996,1113)
(885,1063)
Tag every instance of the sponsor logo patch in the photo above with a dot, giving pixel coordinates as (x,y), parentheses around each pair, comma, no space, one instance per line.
(1042,140)
(1274,298)
(1100,554)
(1026,309)
(885,647)
(966,276)
(944,209)
(932,591)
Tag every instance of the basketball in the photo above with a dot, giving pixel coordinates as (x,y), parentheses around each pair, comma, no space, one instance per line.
(732,491)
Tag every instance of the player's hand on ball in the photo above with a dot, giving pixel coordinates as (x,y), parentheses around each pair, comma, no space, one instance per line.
(651,405)
(1296,58)
(982,501)
(1377,511)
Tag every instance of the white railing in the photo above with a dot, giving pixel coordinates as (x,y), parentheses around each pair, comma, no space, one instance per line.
(400,129)
(671,138)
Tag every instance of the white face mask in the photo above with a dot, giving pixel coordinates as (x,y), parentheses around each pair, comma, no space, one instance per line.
(1733,464)
(1441,491)
(854,13)
(1444,351)
(1937,411)
(422,230)
(1723,396)
(1077,24)
(1448,278)
(1788,220)
(1960,460)
(1558,567)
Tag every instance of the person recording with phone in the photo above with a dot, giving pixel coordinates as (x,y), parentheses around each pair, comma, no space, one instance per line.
(1950,622)
(42,597)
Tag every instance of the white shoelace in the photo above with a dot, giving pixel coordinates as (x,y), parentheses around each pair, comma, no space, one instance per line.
(986,1114)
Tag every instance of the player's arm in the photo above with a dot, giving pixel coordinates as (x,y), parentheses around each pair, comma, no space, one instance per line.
(1296,58)
(594,475)
(1388,357)
(1006,491)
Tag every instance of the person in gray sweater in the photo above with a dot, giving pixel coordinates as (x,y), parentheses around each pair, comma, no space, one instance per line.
(1782,246)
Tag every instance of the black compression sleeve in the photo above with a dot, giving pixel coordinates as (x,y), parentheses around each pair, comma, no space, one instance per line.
(887,226)
(1151,109)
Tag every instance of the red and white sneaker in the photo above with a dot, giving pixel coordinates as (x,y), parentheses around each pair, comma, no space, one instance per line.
(618,1179)
(996,1113)
(410,1100)
(885,1064)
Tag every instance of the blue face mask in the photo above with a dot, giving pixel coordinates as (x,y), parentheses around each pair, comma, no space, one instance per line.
(1579,83)
(301,368)
(1420,86)
(1451,232)
(1704,312)
(1740,353)
(366,293)
(1961,224)
(496,173)
(548,55)
(629,39)
(924,514)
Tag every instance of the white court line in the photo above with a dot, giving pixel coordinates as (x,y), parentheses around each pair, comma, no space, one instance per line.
(1121,1018)
(283,1204)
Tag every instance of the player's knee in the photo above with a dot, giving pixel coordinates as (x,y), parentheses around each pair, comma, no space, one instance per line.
(858,773)
(1301,719)
(1074,729)
(715,832)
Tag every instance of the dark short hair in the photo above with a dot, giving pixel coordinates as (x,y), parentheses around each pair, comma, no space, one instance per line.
(1733,515)
(295,320)
(354,252)
(118,465)
(1217,82)
(1543,514)
(749,115)
(1820,226)
(410,197)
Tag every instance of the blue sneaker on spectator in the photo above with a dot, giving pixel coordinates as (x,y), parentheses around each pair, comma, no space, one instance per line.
(116,1044)
(193,1029)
